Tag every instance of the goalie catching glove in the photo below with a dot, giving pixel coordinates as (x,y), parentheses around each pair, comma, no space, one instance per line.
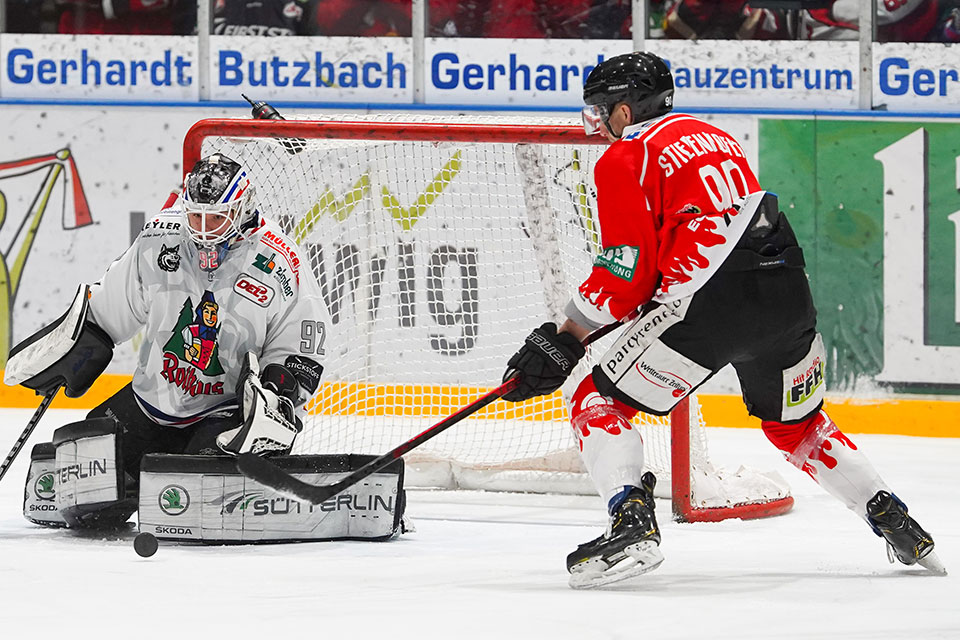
(543,363)
(269,420)
(72,351)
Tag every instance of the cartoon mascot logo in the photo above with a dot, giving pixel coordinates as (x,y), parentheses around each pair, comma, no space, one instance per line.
(192,349)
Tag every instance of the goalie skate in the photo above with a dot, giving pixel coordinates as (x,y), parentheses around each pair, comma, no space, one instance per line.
(629,548)
(906,540)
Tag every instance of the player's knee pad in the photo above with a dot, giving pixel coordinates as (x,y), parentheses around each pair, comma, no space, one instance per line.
(799,439)
(91,487)
(610,446)
(591,412)
(40,492)
(817,447)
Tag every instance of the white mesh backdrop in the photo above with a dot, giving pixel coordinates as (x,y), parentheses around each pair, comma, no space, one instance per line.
(435,260)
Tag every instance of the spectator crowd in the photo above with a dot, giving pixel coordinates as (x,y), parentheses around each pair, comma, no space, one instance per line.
(897,20)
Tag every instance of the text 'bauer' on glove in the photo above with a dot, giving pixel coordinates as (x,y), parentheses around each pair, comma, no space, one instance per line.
(543,363)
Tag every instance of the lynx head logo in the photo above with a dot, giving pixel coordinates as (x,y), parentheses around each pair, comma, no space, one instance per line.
(174,500)
(43,487)
(169,259)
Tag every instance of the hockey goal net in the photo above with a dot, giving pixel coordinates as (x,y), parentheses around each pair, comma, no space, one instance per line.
(438,244)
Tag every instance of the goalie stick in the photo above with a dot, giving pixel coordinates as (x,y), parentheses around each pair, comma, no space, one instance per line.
(268,474)
(31,425)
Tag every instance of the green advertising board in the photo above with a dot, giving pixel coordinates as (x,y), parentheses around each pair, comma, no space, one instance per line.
(876,205)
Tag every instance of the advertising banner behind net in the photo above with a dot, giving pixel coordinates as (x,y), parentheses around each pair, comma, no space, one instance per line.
(706,73)
(312,69)
(468,71)
(101,67)
(916,77)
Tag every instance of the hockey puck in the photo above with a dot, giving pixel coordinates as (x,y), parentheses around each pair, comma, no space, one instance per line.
(145,544)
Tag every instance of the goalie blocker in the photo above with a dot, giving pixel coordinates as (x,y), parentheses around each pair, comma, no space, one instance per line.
(205,499)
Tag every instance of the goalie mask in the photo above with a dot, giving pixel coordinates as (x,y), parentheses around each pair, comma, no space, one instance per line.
(641,80)
(217,205)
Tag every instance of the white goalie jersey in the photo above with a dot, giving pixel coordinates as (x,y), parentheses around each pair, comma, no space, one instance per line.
(198,325)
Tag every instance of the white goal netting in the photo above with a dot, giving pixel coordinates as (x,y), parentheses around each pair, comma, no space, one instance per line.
(435,259)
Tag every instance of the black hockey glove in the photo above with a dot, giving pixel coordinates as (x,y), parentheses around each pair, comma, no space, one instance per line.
(543,363)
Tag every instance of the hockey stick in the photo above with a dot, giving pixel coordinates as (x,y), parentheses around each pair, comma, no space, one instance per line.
(267,473)
(31,425)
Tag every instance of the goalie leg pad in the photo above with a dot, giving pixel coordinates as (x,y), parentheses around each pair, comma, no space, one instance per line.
(205,499)
(830,457)
(611,447)
(91,487)
(40,492)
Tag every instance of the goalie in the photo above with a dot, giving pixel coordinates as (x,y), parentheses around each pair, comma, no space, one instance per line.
(233,347)
(691,240)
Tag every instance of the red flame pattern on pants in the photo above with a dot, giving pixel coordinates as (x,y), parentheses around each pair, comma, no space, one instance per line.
(821,454)
(590,410)
(612,424)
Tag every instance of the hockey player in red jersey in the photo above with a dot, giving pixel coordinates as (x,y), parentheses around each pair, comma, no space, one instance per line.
(692,244)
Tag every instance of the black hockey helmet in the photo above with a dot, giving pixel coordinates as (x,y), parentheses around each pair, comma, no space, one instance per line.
(217,185)
(640,79)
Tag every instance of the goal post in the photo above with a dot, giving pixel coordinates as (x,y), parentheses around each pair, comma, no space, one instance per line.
(438,242)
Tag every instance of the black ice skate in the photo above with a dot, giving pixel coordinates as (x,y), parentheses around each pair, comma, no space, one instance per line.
(629,548)
(906,540)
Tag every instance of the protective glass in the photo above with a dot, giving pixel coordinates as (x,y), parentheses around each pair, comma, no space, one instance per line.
(593,116)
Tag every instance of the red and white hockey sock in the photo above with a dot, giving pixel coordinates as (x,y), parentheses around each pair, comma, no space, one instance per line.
(819,448)
(611,447)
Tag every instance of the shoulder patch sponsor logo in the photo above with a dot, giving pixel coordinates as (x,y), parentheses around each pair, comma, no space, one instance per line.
(621,261)
(279,244)
(169,259)
(283,281)
(265,264)
(174,500)
(254,290)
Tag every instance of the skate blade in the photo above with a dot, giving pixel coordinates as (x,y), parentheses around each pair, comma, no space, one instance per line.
(931,562)
(637,560)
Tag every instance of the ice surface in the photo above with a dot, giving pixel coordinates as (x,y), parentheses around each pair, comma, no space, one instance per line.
(492,566)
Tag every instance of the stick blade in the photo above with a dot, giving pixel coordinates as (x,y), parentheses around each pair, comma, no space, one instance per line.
(268,474)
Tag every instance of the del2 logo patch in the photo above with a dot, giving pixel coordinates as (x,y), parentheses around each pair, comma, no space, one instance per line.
(254,290)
